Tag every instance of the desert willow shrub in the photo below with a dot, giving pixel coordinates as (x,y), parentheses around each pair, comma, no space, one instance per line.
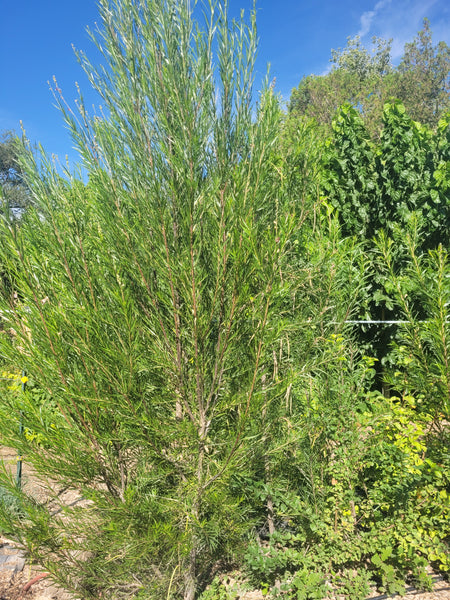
(146,303)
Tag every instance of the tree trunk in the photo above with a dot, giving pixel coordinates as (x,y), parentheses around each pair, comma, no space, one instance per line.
(191,576)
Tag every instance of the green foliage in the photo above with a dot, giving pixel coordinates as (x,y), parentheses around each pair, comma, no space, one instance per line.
(367,500)
(9,505)
(421,293)
(385,186)
(319,98)
(352,179)
(183,318)
(382,522)
(380,186)
(410,156)
(221,588)
(356,78)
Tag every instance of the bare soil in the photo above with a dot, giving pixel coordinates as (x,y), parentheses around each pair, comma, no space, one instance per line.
(30,584)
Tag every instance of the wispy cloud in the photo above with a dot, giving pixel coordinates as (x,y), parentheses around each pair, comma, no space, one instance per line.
(367,17)
(401,20)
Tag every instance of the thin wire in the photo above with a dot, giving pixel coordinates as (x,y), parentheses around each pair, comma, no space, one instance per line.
(381,322)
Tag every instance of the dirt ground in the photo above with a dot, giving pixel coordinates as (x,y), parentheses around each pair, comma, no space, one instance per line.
(18,578)
(30,584)
(15,589)
(21,581)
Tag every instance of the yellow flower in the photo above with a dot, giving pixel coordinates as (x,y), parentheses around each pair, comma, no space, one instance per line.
(24,379)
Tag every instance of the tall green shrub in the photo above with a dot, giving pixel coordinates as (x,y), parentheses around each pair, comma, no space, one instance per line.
(384,186)
(377,186)
(147,304)
(421,293)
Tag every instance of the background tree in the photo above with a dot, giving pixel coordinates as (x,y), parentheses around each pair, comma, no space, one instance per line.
(366,80)
(361,62)
(424,77)
(14,191)
(357,77)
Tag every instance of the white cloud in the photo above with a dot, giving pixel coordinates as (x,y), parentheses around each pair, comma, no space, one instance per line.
(402,19)
(367,18)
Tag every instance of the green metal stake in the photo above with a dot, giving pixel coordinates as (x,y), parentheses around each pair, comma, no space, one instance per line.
(19,457)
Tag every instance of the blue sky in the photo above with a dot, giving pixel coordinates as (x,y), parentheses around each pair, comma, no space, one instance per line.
(296,37)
